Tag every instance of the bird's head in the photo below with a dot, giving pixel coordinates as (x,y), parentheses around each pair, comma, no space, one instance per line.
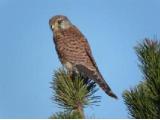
(59,22)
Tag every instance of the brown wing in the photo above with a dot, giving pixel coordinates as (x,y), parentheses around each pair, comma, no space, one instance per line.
(84,41)
(93,73)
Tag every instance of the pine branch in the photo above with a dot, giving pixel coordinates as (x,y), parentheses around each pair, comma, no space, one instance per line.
(65,115)
(73,92)
(143,101)
(138,102)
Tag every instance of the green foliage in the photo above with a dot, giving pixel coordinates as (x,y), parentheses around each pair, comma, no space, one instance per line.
(138,101)
(73,93)
(65,115)
(143,101)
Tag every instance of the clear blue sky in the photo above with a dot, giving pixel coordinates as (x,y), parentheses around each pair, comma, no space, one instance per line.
(28,57)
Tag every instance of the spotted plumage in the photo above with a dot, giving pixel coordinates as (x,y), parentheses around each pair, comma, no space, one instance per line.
(74,51)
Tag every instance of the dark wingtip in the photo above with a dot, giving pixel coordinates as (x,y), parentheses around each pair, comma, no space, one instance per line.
(110,93)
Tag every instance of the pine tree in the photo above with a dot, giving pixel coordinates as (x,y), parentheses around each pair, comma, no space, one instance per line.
(72,93)
(143,101)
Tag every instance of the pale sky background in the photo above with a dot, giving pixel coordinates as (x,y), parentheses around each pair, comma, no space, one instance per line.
(28,57)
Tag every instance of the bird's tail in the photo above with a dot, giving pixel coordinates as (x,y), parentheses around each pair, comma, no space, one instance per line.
(109,92)
(103,84)
(95,75)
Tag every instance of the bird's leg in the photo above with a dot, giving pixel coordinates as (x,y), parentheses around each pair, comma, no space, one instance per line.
(69,68)
(74,72)
(70,73)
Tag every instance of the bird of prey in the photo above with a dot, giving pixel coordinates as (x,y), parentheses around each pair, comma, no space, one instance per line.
(74,51)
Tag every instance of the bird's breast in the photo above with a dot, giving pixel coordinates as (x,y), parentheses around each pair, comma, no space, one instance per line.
(70,46)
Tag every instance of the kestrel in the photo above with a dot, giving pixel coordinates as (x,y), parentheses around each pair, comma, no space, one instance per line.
(74,51)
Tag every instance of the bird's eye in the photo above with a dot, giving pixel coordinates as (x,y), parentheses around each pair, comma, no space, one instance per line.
(52,27)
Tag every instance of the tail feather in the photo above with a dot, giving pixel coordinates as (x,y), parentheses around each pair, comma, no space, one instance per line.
(97,77)
(110,93)
(102,83)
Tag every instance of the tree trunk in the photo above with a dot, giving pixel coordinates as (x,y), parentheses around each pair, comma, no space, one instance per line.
(80,110)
